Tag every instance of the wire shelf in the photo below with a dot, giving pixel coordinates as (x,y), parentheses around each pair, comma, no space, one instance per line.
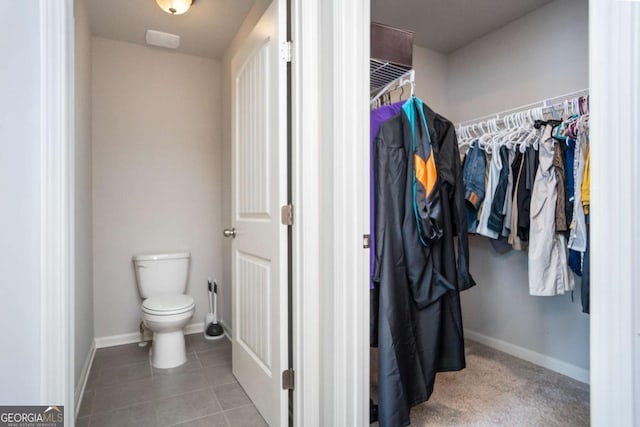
(382,73)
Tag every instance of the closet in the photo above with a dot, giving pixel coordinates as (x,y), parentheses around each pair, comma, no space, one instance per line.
(532,65)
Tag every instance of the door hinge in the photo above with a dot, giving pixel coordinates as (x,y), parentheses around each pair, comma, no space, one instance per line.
(366,241)
(286,215)
(286,51)
(288,379)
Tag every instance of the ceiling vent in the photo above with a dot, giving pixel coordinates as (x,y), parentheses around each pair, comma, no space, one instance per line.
(158,38)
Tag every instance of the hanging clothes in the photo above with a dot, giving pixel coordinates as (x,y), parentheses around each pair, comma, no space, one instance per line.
(537,192)
(518,172)
(377,118)
(475,164)
(420,322)
(508,200)
(585,286)
(495,221)
(586,200)
(570,177)
(527,182)
(495,165)
(548,271)
(558,164)
(578,227)
(574,256)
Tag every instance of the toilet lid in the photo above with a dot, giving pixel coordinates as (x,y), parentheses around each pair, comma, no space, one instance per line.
(168,304)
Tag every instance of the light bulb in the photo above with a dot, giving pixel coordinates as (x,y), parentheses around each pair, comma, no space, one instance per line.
(174,7)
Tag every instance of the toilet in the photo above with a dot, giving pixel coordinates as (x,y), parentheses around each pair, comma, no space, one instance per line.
(166,309)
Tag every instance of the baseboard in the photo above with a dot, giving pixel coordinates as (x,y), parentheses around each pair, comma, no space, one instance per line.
(227,331)
(113,340)
(134,337)
(84,376)
(556,365)
(194,328)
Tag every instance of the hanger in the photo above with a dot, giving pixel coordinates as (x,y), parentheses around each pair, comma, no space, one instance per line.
(406,78)
(584,105)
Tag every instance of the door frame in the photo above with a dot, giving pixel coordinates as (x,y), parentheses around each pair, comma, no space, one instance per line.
(57,281)
(334,37)
(330,265)
(330,47)
(614,73)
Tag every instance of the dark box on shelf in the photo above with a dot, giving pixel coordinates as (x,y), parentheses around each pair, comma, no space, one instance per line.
(390,44)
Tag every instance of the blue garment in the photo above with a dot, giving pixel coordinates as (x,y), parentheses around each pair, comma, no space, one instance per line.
(475,165)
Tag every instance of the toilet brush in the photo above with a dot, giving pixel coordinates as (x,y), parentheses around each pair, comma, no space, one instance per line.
(212,330)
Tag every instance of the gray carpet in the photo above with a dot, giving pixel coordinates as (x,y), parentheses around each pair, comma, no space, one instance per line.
(497,389)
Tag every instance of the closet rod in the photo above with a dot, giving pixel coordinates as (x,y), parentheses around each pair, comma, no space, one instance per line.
(545,103)
(406,78)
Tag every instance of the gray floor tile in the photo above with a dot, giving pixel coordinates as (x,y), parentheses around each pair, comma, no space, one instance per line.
(220,375)
(247,416)
(189,406)
(174,385)
(197,343)
(122,395)
(192,364)
(217,420)
(82,422)
(91,378)
(120,355)
(121,374)
(215,357)
(139,415)
(86,406)
(231,396)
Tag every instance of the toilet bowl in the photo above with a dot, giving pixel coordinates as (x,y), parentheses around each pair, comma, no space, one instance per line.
(166,309)
(166,316)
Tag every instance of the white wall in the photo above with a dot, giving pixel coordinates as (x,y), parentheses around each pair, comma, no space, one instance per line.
(543,54)
(83,200)
(431,78)
(20,206)
(157,172)
(540,55)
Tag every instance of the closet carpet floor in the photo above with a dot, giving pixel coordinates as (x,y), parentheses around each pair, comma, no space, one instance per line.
(123,389)
(496,389)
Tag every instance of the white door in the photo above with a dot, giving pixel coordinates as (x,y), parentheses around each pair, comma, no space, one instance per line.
(259,257)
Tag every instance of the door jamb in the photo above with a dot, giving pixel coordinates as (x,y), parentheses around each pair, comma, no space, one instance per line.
(331,193)
(57,205)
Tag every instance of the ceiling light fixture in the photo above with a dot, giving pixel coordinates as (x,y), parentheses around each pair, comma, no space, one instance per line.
(175,7)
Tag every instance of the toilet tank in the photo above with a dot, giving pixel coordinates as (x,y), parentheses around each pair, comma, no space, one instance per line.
(161,274)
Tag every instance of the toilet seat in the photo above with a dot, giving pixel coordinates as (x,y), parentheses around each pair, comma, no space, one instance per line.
(168,305)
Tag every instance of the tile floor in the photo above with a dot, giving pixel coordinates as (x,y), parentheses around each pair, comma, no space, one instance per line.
(124,390)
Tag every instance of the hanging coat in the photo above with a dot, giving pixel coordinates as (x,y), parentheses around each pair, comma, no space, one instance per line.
(420,322)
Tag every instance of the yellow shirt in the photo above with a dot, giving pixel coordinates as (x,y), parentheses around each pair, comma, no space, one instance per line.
(585,186)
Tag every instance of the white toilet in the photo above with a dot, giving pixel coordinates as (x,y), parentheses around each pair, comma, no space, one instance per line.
(166,309)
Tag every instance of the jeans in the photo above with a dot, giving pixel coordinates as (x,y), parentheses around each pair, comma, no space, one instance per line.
(475,164)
